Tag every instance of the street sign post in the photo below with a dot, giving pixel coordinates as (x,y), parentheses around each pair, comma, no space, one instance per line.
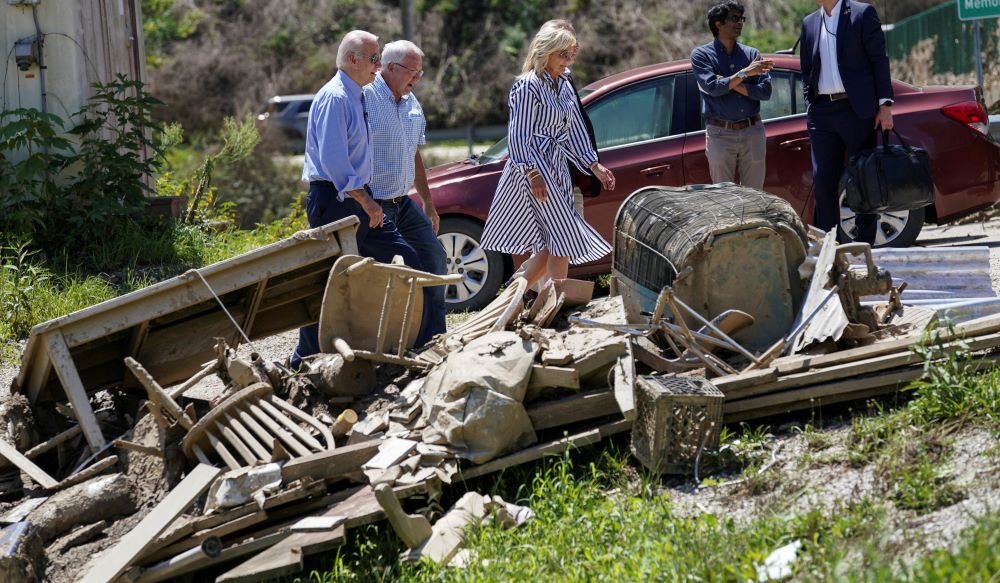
(977,10)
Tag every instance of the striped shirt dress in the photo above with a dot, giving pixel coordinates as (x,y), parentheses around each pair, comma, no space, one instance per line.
(546,131)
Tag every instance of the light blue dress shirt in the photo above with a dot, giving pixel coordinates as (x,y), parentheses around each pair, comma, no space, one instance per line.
(338,148)
(397,131)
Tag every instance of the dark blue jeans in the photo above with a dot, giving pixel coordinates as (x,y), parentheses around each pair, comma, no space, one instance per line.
(836,132)
(416,228)
(323,208)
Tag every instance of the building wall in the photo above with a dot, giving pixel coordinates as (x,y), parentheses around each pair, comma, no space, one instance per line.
(84,41)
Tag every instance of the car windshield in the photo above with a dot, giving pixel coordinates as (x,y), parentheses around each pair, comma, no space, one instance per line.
(494,152)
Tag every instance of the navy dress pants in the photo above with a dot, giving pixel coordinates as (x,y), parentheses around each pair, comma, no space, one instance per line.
(322,208)
(836,133)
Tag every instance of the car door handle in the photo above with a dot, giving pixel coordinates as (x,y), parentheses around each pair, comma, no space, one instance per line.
(655,170)
(796,144)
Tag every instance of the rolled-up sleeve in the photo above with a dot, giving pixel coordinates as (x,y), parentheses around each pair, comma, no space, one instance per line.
(704,73)
(759,87)
(522,148)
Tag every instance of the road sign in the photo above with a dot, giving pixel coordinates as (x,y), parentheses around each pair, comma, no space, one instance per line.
(976,9)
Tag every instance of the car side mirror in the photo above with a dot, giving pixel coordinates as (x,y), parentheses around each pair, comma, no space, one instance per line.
(790,51)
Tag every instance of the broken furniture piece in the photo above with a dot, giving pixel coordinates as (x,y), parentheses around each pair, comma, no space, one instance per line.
(254,426)
(719,247)
(357,321)
(170,326)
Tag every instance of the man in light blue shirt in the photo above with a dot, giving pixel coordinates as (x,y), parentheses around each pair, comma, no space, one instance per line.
(338,166)
(397,123)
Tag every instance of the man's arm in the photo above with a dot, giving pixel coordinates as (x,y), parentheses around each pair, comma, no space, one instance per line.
(332,146)
(805,62)
(874,39)
(758,87)
(708,81)
(420,182)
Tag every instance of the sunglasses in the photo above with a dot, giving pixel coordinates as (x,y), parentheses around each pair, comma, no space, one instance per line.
(569,53)
(737,19)
(418,73)
(372,59)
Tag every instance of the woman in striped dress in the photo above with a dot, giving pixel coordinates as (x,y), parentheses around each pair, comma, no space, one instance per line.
(532,211)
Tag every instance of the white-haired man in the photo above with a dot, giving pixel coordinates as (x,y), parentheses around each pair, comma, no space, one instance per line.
(338,165)
(398,123)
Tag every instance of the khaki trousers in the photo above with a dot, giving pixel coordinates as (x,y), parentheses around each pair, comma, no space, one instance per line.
(729,151)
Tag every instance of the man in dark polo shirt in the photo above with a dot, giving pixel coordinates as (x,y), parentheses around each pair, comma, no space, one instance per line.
(733,80)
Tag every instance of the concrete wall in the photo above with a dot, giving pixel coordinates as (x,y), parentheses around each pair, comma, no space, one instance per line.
(84,41)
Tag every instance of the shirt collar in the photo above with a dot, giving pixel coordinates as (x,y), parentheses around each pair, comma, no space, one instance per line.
(721,48)
(383,90)
(835,13)
(351,88)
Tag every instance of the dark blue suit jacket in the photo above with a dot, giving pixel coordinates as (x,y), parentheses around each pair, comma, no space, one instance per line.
(861,57)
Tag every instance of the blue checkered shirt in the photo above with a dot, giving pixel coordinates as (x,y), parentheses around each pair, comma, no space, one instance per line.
(397,130)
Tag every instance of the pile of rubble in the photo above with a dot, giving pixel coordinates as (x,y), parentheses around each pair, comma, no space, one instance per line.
(243,486)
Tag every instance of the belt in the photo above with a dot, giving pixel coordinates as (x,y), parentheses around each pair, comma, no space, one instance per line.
(395,200)
(831,96)
(733,125)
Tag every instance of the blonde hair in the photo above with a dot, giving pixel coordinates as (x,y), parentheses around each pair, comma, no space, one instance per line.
(550,39)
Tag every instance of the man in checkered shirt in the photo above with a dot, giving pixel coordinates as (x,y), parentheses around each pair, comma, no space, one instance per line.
(397,129)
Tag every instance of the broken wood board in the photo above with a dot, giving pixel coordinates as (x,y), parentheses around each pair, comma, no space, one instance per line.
(332,463)
(573,409)
(286,557)
(550,448)
(234,551)
(543,377)
(27,466)
(22,510)
(110,564)
(851,368)
(624,386)
(181,316)
(756,407)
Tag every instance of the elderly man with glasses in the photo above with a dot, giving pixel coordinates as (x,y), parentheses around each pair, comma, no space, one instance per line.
(733,80)
(338,165)
(398,125)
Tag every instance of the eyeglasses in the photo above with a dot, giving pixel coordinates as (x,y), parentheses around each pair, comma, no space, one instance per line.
(372,59)
(418,73)
(569,53)
(737,19)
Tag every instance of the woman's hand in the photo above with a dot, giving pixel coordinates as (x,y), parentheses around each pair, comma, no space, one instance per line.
(538,189)
(604,175)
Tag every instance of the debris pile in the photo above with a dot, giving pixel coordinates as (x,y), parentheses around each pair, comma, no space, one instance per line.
(120,469)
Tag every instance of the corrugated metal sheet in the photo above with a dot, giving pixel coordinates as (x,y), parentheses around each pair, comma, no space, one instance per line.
(937,273)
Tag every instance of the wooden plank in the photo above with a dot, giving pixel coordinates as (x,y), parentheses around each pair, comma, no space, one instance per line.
(573,409)
(625,383)
(17,458)
(87,474)
(600,358)
(810,403)
(745,379)
(110,564)
(974,328)
(65,369)
(252,305)
(234,551)
(221,530)
(285,558)
(331,463)
(553,376)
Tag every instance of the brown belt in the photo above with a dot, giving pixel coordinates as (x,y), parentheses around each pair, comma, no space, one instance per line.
(395,200)
(831,96)
(733,125)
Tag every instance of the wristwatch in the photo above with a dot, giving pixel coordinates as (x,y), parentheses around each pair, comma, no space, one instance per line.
(742,74)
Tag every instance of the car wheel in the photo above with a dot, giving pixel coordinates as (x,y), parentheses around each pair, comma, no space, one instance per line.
(896,229)
(482,271)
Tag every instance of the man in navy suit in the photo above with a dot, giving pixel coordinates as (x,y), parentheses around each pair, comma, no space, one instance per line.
(845,78)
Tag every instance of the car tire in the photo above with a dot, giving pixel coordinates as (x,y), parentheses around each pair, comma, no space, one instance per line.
(896,229)
(483,270)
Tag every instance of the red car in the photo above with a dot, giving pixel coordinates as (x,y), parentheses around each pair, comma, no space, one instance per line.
(649,131)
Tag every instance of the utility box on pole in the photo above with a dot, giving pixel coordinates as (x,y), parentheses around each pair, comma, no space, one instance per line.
(57,48)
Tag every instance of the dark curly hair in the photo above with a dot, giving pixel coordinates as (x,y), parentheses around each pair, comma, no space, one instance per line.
(721,11)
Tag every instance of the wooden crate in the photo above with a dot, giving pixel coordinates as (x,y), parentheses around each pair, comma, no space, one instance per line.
(676,417)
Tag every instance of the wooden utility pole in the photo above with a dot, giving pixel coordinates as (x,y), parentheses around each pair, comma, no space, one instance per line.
(407,8)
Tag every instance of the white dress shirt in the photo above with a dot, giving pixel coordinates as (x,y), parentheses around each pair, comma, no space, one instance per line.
(829,70)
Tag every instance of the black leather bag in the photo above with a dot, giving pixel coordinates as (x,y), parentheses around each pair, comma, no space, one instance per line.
(888,178)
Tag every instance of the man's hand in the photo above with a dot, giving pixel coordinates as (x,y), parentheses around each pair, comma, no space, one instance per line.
(432,214)
(538,189)
(759,66)
(883,118)
(371,208)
